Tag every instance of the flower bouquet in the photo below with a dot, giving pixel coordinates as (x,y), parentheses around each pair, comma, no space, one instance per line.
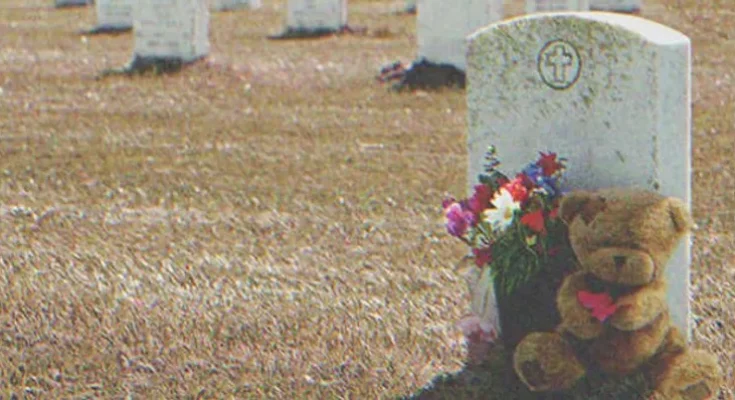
(519,247)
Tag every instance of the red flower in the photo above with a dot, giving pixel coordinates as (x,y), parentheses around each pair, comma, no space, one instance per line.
(554,213)
(548,163)
(480,200)
(517,189)
(525,180)
(535,221)
(483,256)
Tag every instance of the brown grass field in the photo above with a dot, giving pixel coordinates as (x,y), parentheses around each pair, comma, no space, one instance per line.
(266,223)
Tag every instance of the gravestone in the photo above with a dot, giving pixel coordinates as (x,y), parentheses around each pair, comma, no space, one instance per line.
(72,3)
(227,5)
(114,15)
(624,6)
(533,6)
(610,92)
(170,32)
(314,17)
(442,29)
(443,26)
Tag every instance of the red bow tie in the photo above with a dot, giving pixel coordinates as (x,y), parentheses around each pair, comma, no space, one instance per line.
(601,304)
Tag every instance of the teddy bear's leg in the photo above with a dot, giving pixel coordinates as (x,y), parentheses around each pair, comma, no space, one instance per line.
(683,374)
(546,362)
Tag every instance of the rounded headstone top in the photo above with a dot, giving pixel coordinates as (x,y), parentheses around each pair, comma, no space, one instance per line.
(648,30)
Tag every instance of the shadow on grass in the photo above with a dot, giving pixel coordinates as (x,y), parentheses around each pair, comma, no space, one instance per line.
(60,5)
(494,379)
(154,65)
(106,30)
(303,33)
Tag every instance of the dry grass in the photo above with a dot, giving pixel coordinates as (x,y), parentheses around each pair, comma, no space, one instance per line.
(264,224)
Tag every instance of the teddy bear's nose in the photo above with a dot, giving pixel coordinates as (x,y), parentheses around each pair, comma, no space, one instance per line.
(619,261)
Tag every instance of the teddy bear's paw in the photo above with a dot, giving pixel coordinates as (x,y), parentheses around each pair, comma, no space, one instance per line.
(546,362)
(698,391)
(694,375)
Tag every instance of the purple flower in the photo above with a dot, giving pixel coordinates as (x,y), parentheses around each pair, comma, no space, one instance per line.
(458,219)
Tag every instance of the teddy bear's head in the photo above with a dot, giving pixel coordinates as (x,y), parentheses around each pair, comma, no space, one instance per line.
(624,236)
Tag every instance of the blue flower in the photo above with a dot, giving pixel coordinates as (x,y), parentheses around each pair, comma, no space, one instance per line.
(536,175)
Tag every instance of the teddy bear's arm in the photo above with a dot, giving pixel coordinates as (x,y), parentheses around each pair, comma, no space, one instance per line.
(638,309)
(576,319)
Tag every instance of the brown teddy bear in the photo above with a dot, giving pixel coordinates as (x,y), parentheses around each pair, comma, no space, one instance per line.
(614,314)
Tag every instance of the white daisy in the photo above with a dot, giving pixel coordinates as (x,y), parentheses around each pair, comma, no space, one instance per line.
(501,216)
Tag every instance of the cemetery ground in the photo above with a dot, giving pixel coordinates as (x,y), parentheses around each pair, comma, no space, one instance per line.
(266,223)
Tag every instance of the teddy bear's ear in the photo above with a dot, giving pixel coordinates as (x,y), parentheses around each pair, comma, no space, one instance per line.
(581,203)
(679,214)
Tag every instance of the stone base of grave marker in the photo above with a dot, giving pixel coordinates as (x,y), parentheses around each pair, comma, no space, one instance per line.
(422,75)
(230,5)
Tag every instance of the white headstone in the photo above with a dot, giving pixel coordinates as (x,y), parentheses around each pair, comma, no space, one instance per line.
(177,29)
(610,92)
(628,6)
(115,14)
(72,3)
(533,6)
(443,26)
(312,15)
(223,5)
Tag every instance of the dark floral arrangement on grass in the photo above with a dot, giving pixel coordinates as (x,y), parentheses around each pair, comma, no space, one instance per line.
(511,225)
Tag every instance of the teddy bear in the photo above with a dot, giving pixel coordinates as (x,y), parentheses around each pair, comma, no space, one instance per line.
(614,313)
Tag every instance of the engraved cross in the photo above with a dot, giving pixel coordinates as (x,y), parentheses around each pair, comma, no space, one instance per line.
(559,59)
